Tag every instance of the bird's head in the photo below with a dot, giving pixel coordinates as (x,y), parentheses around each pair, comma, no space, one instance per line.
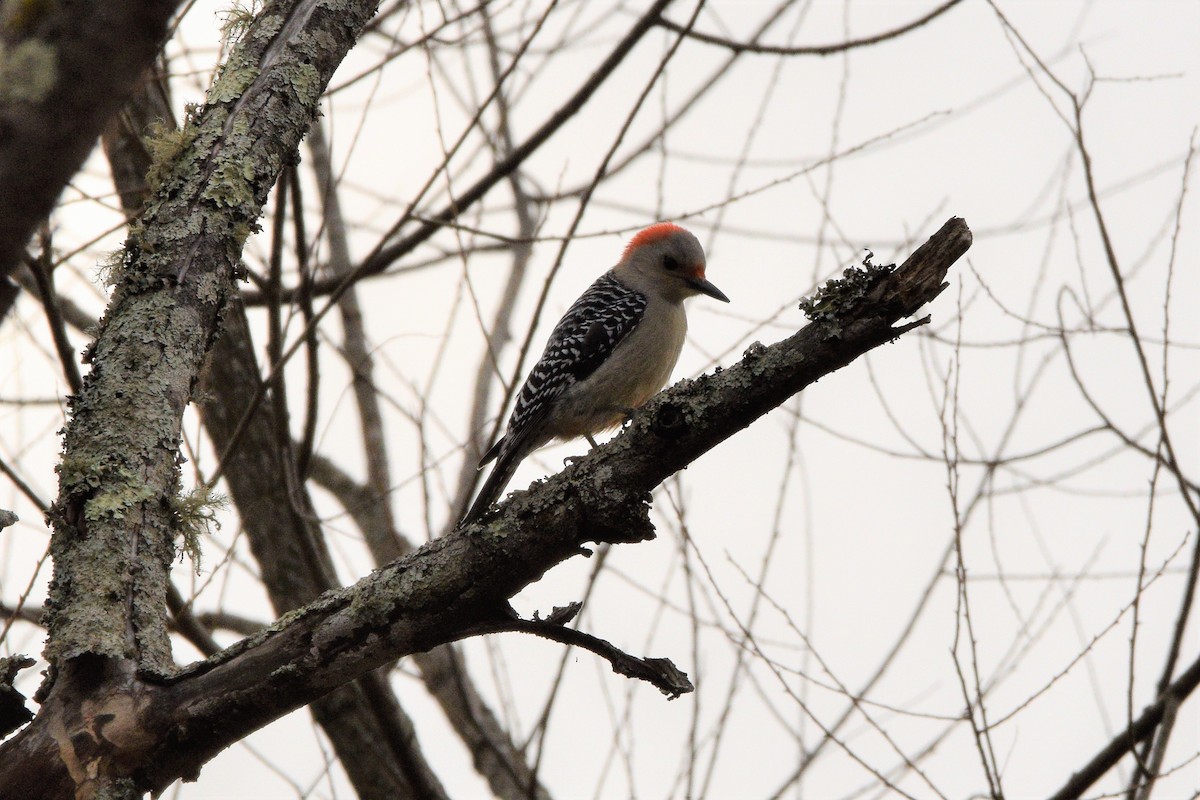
(667,260)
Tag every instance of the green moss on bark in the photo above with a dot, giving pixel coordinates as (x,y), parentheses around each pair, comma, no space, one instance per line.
(118,513)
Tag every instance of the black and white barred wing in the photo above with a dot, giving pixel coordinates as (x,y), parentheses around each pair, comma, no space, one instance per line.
(583,340)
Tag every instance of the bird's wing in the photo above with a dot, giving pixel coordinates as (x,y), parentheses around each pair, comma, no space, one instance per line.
(583,340)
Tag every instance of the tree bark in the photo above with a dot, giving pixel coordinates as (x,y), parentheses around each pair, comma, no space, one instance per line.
(115,520)
(67,67)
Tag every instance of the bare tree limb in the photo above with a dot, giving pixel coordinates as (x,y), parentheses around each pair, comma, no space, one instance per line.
(658,672)
(387,254)
(117,479)
(808,50)
(356,719)
(1138,731)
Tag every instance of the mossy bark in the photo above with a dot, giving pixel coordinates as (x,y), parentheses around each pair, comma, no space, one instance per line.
(114,519)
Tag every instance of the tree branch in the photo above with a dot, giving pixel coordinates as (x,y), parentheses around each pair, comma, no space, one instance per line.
(658,672)
(1138,731)
(68,66)
(807,50)
(459,584)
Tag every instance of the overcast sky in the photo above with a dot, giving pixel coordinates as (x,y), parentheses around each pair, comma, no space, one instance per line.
(788,169)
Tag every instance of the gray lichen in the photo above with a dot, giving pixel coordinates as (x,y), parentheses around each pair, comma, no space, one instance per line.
(195,514)
(841,298)
(118,513)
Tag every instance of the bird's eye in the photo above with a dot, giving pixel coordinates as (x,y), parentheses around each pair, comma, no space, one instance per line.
(670,263)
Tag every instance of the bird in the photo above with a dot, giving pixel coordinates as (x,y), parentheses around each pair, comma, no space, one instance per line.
(612,351)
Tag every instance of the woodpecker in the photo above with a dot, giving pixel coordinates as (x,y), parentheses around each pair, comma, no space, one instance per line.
(611,352)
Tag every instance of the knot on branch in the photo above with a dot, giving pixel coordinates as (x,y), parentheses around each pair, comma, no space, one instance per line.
(561,615)
(661,672)
(669,421)
(611,513)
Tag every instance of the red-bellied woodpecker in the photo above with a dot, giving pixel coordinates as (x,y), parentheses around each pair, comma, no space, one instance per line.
(610,353)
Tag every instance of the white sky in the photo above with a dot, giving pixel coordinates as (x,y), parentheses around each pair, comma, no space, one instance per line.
(861,529)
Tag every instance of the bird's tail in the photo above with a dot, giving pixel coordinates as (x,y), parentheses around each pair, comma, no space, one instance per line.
(501,474)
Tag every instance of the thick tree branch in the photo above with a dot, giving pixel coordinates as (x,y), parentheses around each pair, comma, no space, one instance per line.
(114,534)
(114,530)
(371,735)
(457,585)
(67,67)
(369,731)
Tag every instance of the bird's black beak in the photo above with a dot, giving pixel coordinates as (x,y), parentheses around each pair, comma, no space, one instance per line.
(702,285)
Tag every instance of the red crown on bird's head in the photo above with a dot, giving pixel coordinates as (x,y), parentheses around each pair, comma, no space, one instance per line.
(657,231)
